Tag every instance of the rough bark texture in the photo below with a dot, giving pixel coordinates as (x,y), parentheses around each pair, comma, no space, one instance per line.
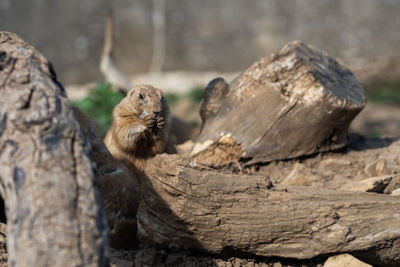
(188,207)
(54,215)
(3,246)
(294,103)
(119,188)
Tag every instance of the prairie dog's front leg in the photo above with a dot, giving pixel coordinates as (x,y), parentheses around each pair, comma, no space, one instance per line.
(129,134)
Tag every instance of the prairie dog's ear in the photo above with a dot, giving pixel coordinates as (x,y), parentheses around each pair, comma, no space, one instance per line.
(159,93)
(135,90)
(131,91)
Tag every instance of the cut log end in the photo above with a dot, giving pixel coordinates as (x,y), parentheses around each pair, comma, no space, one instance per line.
(294,103)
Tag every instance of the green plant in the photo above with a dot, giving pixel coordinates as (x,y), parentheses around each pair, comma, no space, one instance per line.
(379,90)
(99,105)
(196,94)
(172,98)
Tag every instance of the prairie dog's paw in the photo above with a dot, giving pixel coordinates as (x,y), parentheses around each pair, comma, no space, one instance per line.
(149,121)
(160,122)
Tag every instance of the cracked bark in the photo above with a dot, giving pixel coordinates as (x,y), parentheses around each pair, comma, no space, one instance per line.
(293,103)
(54,215)
(186,206)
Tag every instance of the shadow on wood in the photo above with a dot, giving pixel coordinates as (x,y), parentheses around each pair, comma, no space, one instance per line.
(187,206)
(297,102)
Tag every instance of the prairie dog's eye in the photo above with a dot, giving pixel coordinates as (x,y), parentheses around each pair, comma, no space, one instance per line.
(141,96)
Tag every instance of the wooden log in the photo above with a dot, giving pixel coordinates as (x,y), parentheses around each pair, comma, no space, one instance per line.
(119,187)
(294,103)
(53,208)
(187,206)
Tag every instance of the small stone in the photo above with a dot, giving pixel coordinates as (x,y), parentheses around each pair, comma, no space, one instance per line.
(344,260)
(334,163)
(376,168)
(300,175)
(373,184)
(185,148)
(395,192)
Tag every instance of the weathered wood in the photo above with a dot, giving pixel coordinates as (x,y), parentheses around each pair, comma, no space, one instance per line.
(187,206)
(119,187)
(294,103)
(53,208)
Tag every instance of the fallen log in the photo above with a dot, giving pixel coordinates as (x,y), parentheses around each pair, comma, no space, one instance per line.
(294,103)
(53,207)
(119,188)
(187,206)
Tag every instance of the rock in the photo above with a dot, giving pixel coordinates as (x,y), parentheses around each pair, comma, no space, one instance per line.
(334,163)
(376,168)
(393,185)
(373,184)
(185,148)
(396,192)
(300,175)
(344,260)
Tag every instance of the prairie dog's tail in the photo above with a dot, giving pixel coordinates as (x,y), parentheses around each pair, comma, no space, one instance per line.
(107,67)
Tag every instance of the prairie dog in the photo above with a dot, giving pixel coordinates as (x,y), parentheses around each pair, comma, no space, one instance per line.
(140,126)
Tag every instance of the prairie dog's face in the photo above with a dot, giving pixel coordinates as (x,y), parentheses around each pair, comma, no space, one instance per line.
(145,100)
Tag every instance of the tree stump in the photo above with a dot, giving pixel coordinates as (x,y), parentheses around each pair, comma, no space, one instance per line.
(53,208)
(294,103)
(187,206)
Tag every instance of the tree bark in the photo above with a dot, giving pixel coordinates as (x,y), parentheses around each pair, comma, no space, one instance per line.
(187,206)
(119,188)
(53,207)
(294,103)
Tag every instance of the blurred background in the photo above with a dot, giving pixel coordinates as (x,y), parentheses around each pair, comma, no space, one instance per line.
(179,45)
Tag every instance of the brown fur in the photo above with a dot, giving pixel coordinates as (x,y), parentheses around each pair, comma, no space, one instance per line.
(140,126)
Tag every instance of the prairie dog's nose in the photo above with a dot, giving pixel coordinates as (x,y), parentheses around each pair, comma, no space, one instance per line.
(156,113)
